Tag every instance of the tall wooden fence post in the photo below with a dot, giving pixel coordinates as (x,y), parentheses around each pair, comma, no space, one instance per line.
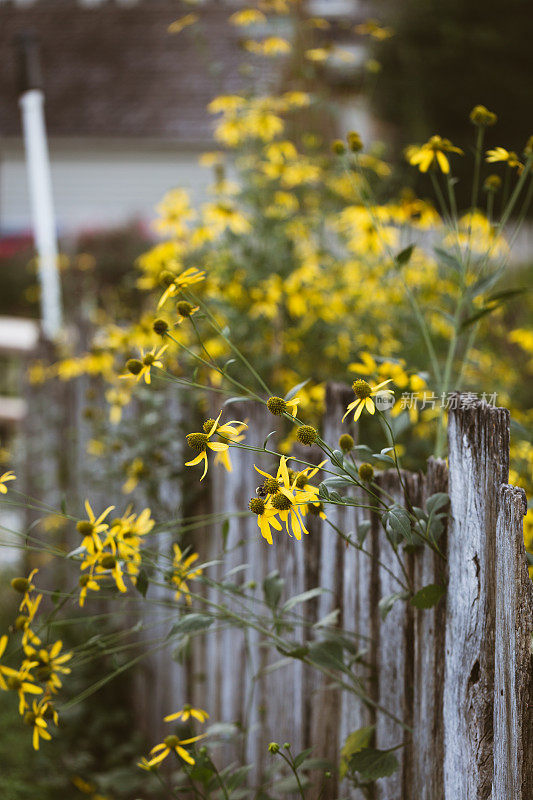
(488,621)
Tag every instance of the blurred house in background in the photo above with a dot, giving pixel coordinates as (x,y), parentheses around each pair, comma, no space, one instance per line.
(126,101)
(126,115)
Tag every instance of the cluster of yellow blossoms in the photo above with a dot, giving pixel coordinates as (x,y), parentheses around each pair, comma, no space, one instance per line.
(39,674)
(110,549)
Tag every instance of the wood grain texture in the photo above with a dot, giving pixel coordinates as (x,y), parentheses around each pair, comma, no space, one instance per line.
(394,650)
(513,690)
(424,775)
(478,441)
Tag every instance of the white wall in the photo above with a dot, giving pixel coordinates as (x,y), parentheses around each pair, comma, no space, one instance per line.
(99,185)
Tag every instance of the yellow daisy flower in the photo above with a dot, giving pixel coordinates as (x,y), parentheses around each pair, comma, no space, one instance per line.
(7,476)
(186,712)
(200,441)
(500,154)
(231,431)
(181,281)
(22,681)
(140,367)
(432,153)
(169,744)
(183,572)
(37,718)
(92,527)
(364,393)
(49,664)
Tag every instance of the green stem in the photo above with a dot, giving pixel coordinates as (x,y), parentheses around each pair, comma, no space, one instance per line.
(290,762)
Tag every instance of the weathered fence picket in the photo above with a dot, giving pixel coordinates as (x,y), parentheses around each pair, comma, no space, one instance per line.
(458,675)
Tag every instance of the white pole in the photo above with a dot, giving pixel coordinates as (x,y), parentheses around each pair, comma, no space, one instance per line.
(42,207)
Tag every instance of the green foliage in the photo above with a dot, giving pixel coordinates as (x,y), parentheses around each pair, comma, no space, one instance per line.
(372,764)
(428,596)
(355,742)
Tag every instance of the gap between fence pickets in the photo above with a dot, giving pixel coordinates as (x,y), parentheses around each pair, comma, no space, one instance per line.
(487,685)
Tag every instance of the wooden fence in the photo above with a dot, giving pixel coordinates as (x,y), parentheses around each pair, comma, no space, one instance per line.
(459,675)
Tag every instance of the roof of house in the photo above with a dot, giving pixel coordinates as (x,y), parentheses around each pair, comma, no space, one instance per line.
(114,70)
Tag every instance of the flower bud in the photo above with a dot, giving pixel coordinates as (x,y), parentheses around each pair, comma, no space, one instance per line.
(160,326)
(346,442)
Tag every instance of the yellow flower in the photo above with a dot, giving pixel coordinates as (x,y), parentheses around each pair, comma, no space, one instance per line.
(231,431)
(279,406)
(225,216)
(266,517)
(374,29)
(186,712)
(3,645)
(135,471)
(117,400)
(200,441)
(183,22)
(364,393)
(22,682)
(37,718)
(500,154)
(271,46)
(187,278)
(87,582)
(139,368)
(286,499)
(91,528)
(432,153)
(183,572)
(317,54)
(102,564)
(25,586)
(7,476)
(248,16)
(49,664)
(169,744)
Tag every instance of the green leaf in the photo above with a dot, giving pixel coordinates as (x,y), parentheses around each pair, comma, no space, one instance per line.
(329,621)
(338,458)
(190,623)
(238,399)
(302,598)
(373,764)
(404,256)
(361,451)
(327,653)
(272,588)
(507,294)
(295,389)
(355,741)
(385,459)
(323,493)
(316,763)
(428,596)
(396,521)
(447,259)
(300,758)
(466,323)
(142,582)
(386,603)
(362,531)
(267,438)
(337,482)
(436,501)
